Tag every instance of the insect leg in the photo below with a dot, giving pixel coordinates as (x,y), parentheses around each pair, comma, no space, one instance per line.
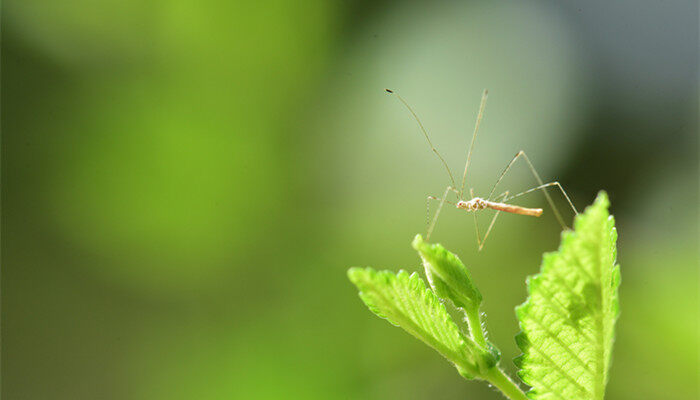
(541,186)
(425,133)
(431,225)
(476,219)
(479,116)
(501,197)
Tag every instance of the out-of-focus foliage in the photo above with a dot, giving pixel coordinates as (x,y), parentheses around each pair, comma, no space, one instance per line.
(168,166)
(185,183)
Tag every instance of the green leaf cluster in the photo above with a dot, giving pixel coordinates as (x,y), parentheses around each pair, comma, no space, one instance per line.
(567,321)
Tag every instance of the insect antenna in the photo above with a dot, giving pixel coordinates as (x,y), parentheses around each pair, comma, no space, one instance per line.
(425,133)
(479,116)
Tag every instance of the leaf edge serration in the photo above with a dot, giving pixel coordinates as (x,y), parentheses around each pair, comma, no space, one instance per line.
(462,358)
(533,281)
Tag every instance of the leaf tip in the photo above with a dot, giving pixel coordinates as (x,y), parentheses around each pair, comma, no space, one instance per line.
(602,199)
(353,273)
(359,275)
(418,242)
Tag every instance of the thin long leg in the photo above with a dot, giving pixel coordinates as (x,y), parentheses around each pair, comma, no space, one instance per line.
(437,212)
(541,186)
(427,209)
(425,133)
(501,197)
(479,116)
(476,219)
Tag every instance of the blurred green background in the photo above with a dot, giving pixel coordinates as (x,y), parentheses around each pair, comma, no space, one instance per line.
(184,185)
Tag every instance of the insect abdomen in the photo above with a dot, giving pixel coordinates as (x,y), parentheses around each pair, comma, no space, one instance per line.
(532,212)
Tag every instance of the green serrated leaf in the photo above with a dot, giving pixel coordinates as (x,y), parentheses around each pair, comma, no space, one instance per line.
(569,317)
(450,279)
(404,300)
(447,275)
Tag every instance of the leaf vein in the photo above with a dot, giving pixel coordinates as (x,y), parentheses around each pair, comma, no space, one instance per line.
(563,345)
(561,310)
(561,371)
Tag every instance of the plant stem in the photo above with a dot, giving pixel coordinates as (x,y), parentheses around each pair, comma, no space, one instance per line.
(475,328)
(500,380)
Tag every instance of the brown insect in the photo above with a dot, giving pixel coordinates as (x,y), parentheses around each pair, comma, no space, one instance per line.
(497,203)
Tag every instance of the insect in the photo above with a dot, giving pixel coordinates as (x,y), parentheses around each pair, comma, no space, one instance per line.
(498,203)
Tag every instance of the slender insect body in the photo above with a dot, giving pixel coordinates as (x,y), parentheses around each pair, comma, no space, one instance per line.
(513,209)
(478,203)
(497,203)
